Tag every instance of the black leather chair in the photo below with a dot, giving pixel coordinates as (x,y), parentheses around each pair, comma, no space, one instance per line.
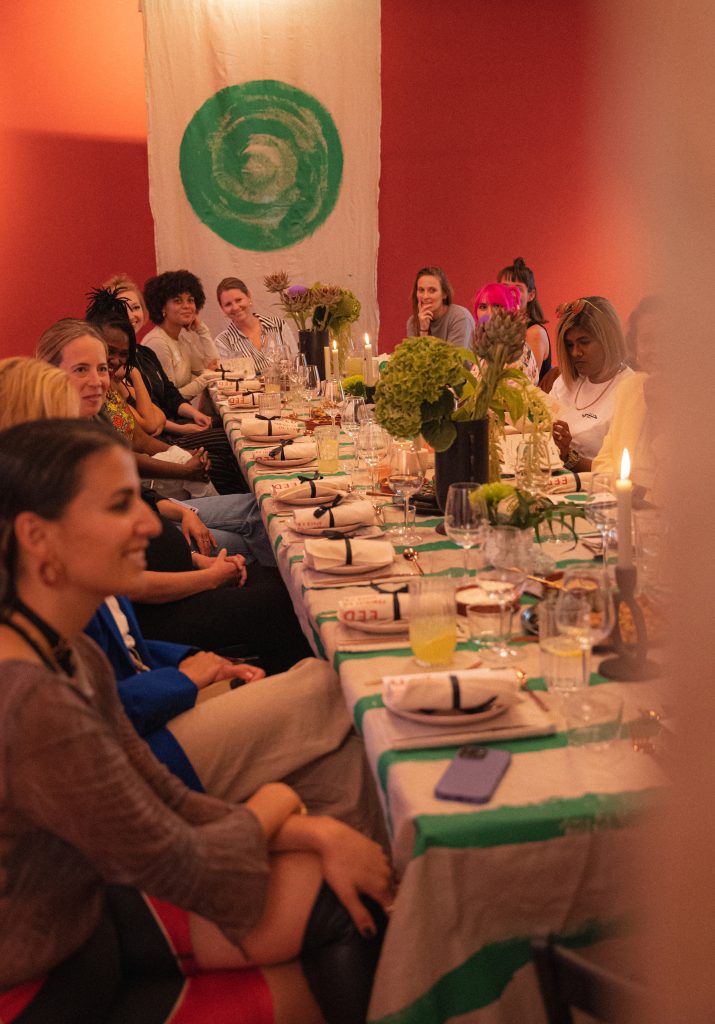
(568,981)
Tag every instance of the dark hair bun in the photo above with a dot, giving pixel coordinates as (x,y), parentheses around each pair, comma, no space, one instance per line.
(519,263)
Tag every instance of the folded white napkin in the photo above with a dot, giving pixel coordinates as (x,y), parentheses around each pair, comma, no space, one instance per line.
(307,491)
(242,365)
(444,691)
(344,513)
(292,452)
(374,607)
(328,554)
(248,400)
(258,427)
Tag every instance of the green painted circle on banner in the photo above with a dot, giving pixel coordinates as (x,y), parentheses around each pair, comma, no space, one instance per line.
(261,164)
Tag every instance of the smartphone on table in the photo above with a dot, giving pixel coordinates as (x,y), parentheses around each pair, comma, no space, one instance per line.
(473,775)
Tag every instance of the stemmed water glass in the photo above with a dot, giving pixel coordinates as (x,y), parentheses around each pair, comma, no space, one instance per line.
(312,383)
(298,377)
(406,477)
(585,611)
(372,447)
(332,395)
(350,419)
(493,602)
(463,519)
(601,509)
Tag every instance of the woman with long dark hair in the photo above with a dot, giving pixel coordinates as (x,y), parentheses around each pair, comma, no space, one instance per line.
(537,337)
(120,886)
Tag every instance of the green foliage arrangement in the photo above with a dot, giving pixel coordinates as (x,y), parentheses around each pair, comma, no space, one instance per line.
(354,386)
(506,505)
(426,387)
(419,388)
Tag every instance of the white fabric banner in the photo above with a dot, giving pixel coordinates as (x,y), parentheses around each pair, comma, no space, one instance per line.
(264,143)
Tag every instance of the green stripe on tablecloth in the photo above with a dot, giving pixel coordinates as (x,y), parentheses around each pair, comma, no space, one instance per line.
(482,978)
(529,745)
(532,823)
(390,652)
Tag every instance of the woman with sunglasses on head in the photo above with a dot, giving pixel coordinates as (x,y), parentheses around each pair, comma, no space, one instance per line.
(591,351)
(537,337)
(122,887)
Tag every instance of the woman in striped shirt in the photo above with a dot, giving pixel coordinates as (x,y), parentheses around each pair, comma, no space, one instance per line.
(249,334)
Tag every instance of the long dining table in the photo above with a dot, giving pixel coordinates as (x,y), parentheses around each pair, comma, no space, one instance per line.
(552,852)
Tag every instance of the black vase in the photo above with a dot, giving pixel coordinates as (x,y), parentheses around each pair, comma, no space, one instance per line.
(312,344)
(467,458)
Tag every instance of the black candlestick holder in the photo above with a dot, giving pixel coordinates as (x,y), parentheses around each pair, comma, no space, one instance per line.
(631,663)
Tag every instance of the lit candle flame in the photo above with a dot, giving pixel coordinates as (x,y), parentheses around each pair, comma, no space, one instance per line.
(367,339)
(625,465)
(335,346)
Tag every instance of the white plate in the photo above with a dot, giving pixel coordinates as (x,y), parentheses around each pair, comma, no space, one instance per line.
(263,460)
(390,627)
(460,718)
(353,570)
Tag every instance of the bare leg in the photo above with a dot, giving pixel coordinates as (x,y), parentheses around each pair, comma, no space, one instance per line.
(278,936)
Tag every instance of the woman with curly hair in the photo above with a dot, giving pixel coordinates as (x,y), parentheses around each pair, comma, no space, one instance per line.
(182,342)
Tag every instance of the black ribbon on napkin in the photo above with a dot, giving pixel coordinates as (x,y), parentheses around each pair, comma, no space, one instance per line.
(322,509)
(456,694)
(310,480)
(280,452)
(334,535)
(269,420)
(402,589)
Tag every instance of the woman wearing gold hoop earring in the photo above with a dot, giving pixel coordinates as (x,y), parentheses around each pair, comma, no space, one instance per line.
(591,351)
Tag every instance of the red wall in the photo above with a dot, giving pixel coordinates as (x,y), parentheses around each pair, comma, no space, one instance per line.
(492,148)
(74,201)
(488,152)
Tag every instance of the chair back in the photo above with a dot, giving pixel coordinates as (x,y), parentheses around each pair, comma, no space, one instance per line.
(568,981)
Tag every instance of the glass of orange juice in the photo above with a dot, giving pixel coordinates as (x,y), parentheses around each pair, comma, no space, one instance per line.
(433,620)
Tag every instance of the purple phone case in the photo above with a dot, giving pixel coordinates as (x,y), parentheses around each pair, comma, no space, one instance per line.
(473,775)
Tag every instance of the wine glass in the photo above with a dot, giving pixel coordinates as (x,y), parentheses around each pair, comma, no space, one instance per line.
(601,508)
(298,377)
(332,394)
(493,600)
(350,419)
(406,477)
(372,447)
(312,384)
(463,519)
(585,611)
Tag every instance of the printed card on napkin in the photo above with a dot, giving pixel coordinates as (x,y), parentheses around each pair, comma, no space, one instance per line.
(249,400)
(444,691)
(374,607)
(338,512)
(325,555)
